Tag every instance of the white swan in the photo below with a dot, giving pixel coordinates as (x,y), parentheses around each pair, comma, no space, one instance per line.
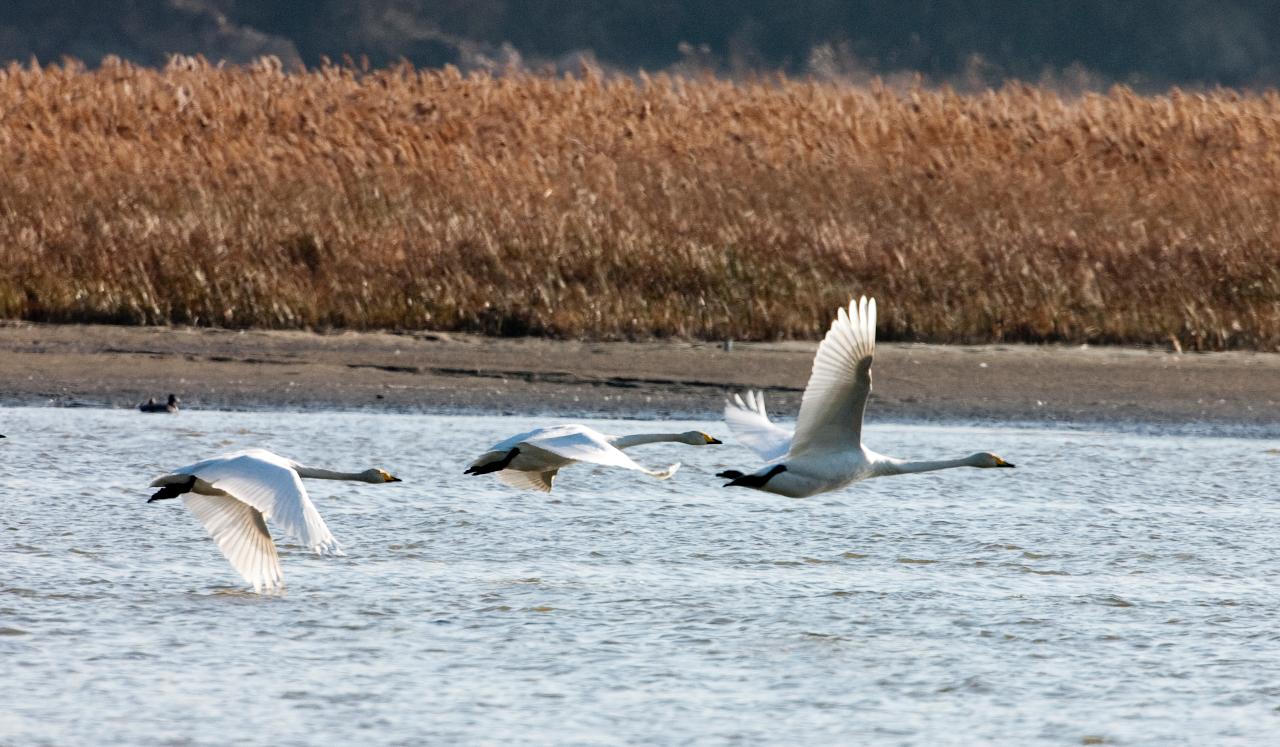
(531,460)
(826,451)
(233,493)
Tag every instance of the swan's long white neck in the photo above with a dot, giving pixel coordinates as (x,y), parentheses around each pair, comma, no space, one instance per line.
(891,466)
(328,474)
(626,442)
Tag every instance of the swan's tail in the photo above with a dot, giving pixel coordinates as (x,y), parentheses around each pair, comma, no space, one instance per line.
(663,474)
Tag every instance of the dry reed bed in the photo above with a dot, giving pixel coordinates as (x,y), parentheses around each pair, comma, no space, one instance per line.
(619,208)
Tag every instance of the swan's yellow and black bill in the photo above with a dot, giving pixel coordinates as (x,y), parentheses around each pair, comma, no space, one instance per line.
(1002,463)
(388,477)
(712,440)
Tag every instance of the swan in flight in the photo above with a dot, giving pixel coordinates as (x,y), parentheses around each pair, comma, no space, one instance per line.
(826,452)
(233,493)
(531,460)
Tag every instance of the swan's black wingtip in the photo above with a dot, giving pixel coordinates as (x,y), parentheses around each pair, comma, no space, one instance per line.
(752,481)
(729,474)
(498,466)
(173,490)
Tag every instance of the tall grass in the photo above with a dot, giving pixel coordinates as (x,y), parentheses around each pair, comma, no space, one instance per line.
(580,206)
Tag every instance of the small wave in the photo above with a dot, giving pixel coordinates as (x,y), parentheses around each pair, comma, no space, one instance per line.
(833,637)
(969,684)
(71,596)
(1110,600)
(18,591)
(236,592)
(1039,571)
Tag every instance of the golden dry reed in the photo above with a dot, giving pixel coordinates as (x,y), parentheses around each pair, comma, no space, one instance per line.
(620,207)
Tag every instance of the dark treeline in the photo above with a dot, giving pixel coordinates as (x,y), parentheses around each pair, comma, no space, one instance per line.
(1146,43)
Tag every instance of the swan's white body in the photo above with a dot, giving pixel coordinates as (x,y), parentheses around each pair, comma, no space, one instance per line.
(531,460)
(232,494)
(826,451)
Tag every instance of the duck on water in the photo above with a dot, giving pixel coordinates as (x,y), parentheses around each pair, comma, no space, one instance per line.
(152,406)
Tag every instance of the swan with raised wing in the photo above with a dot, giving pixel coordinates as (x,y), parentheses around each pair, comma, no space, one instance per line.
(826,451)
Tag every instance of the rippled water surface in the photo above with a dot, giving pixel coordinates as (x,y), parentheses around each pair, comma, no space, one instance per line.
(1115,587)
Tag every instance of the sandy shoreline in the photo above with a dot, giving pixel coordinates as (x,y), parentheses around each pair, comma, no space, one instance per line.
(85,365)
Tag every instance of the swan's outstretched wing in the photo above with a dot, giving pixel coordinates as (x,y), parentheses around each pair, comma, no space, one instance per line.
(241,535)
(506,445)
(528,480)
(836,396)
(499,450)
(748,420)
(269,483)
(582,444)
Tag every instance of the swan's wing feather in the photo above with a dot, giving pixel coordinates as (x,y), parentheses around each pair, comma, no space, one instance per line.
(750,423)
(836,396)
(269,483)
(507,444)
(259,454)
(540,481)
(551,431)
(584,444)
(499,450)
(241,534)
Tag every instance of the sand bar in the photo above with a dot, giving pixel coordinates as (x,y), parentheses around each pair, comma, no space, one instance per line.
(88,365)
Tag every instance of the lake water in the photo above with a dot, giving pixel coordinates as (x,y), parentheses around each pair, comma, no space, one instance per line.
(1116,587)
